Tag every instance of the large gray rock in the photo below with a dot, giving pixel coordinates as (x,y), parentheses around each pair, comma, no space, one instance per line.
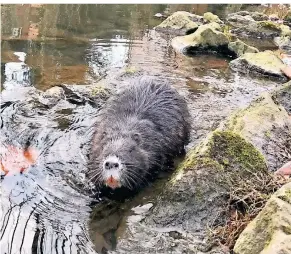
(180,23)
(265,64)
(266,124)
(255,16)
(240,20)
(206,37)
(270,231)
(257,29)
(210,17)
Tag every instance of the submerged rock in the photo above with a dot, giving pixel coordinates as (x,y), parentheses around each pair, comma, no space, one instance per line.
(206,38)
(210,17)
(180,23)
(265,64)
(240,48)
(270,231)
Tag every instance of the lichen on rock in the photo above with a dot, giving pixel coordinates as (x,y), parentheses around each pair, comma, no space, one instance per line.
(179,23)
(253,25)
(266,124)
(240,48)
(265,64)
(206,38)
(210,17)
(270,231)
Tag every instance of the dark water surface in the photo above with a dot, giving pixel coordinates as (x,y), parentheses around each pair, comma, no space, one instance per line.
(45,209)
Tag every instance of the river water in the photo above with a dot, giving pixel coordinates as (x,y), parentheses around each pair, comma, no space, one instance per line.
(44,208)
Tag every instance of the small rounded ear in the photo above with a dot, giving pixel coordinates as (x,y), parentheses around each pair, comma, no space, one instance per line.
(103,134)
(136,137)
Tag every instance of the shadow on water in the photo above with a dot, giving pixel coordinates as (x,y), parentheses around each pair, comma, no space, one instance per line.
(45,201)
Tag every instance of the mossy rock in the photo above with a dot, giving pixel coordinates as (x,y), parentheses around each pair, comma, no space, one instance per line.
(265,64)
(224,161)
(210,17)
(223,150)
(285,30)
(240,48)
(256,29)
(100,90)
(266,124)
(238,20)
(270,231)
(206,37)
(269,24)
(180,23)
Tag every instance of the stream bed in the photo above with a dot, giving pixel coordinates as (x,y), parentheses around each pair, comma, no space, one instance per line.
(45,207)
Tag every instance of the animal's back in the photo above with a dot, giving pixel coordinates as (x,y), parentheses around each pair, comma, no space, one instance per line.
(157,102)
(148,99)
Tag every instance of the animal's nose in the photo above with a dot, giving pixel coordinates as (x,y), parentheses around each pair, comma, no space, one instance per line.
(111,165)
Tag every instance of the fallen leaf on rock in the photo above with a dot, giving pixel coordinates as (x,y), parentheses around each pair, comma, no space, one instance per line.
(287,71)
(285,170)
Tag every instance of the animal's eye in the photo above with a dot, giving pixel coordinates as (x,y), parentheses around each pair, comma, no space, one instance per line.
(136,137)
(103,134)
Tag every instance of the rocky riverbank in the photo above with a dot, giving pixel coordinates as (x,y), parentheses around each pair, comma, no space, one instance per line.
(208,34)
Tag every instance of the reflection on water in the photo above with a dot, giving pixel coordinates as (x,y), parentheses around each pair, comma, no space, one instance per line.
(44,210)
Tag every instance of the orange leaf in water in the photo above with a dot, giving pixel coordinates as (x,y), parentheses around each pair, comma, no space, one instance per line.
(17,160)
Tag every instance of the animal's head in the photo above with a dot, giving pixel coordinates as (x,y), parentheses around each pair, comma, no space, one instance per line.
(120,161)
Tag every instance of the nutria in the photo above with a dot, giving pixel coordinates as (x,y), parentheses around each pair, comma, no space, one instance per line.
(138,129)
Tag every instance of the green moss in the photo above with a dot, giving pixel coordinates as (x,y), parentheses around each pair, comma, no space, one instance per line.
(130,70)
(178,20)
(210,17)
(268,24)
(285,30)
(268,134)
(99,90)
(231,147)
(222,150)
(227,33)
